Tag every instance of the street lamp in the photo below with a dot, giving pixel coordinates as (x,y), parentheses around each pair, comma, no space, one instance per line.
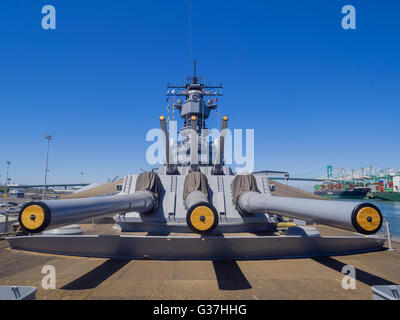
(6,184)
(48,137)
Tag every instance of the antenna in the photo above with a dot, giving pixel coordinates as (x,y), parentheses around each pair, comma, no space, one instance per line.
(194,74)
(190,30)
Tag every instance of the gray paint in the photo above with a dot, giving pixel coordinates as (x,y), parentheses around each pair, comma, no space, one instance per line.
(195,197)
(64,212)
(386,292)
(17,293)
(332,213)
(72,229)
(171,214)
(196,247)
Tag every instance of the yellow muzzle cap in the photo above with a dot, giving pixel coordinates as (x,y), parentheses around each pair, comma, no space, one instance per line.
(202,218)
(33,217)
(367,219)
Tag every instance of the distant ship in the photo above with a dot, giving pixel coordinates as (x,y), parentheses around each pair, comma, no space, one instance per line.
(387,188)
(354,193)
(388,196)
(383,187)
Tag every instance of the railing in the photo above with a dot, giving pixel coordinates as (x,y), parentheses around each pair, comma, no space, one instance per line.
(5,228)
(390,228)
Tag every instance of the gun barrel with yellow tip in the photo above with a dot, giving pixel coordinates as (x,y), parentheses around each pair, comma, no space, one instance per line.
(361,217)
(37,216)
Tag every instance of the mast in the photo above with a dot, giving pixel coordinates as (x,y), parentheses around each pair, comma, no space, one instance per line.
(194,73)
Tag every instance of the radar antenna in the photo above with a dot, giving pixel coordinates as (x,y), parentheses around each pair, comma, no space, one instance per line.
(194,73)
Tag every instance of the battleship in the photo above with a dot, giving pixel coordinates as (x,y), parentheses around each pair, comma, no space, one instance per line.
(192,210)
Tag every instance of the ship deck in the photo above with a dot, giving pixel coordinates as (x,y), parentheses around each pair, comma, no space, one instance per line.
(95,278)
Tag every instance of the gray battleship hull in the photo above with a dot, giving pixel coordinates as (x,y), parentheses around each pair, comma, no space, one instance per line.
(197,247)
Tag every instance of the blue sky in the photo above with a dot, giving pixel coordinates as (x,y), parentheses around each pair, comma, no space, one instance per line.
(314,93)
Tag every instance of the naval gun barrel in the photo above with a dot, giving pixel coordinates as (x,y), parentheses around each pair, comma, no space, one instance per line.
(194,156)
(217,170)
(171,169)
(36,216)
(201,216)
(194,198)
(364,218)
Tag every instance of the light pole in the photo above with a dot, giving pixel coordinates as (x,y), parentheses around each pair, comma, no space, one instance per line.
(81,177)
(6,184)
(48,137)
